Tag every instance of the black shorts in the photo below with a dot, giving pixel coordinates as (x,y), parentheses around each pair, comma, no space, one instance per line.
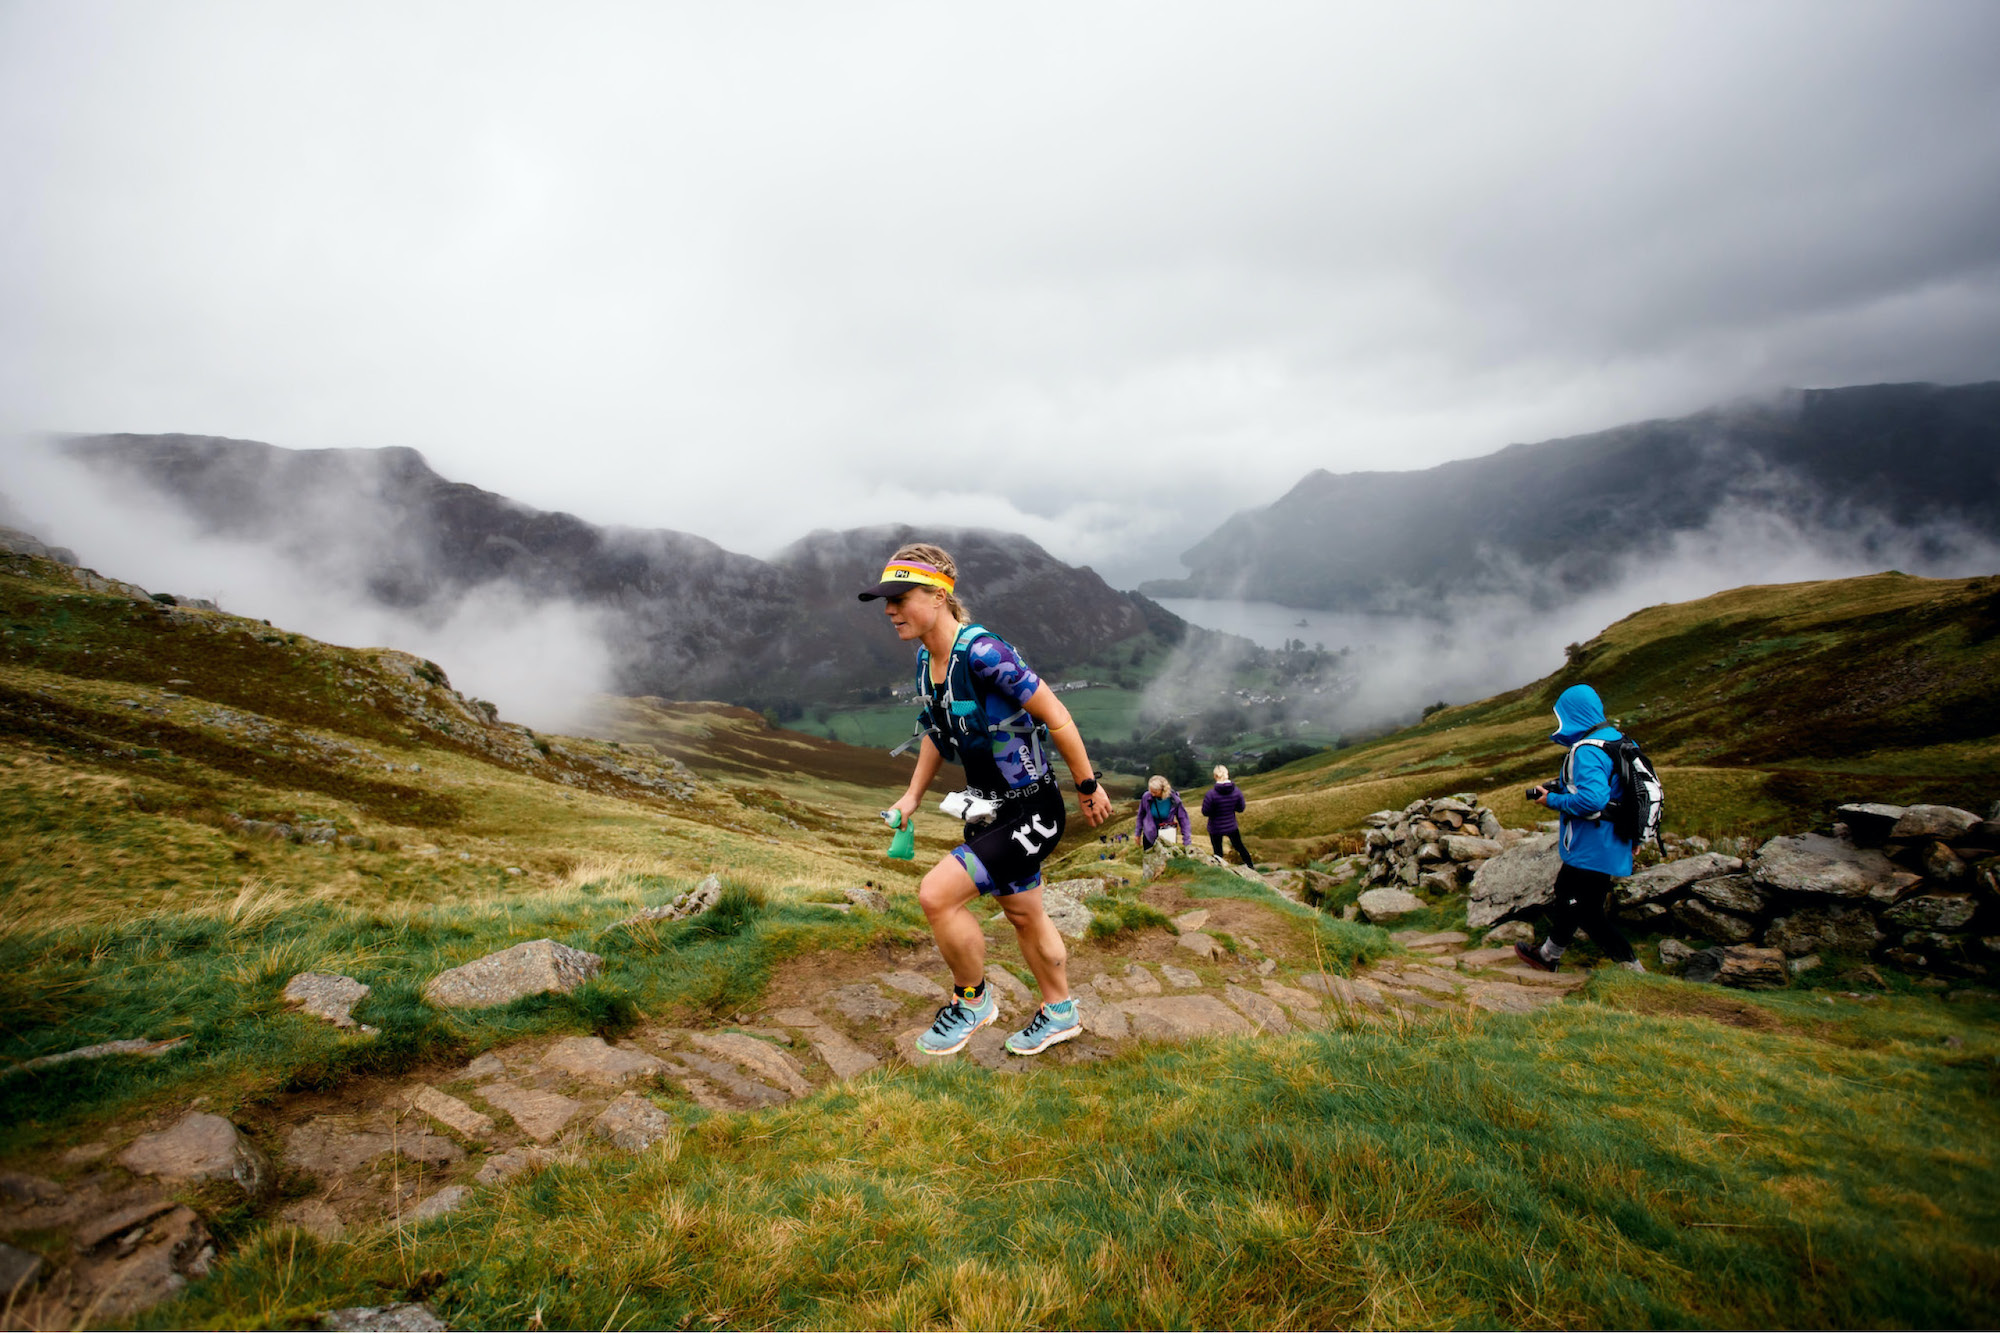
(1005,856)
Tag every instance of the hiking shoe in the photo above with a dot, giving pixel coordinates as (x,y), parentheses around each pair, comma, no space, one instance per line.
(1633,966)
(955,1024)
(1051,1024)
(1533,958)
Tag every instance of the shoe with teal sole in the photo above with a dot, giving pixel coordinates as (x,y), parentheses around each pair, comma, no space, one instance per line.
(955,1024)
(1051,1024)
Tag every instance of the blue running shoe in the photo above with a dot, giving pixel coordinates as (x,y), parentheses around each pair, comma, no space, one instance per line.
(1052,1024)
(955,1024)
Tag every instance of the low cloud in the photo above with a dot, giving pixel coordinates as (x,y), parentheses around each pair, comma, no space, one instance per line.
(540,660)
(1476,646)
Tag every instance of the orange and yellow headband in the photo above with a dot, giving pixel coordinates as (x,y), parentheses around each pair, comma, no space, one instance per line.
(916,572)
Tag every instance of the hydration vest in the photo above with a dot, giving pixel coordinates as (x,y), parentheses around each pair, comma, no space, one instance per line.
(957,723)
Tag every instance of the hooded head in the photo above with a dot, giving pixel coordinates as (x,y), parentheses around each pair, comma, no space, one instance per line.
(1579,712)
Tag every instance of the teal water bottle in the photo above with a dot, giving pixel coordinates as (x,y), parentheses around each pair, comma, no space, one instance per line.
(903,847)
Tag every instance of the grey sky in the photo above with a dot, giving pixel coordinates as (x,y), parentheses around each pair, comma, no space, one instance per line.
(1097,273)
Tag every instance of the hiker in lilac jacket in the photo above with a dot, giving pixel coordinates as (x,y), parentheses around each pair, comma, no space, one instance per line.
(1159,808)
(1220,808)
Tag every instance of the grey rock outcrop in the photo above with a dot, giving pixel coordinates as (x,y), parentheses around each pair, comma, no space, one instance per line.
(1519,879)
(632,1123)
(200,1147)
(528,969)
(1739,966)
(1386,905)
(1817,865)
(327,996)
(1832,928)
(1659,881)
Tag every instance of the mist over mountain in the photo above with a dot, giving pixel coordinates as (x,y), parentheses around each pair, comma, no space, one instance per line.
(677,615)
(1893,470)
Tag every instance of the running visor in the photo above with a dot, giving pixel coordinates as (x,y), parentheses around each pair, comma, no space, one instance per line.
(900,576)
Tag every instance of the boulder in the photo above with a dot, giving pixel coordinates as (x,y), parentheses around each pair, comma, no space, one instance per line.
(1817,865)
(1942,864)
(1386,905)
(1490,826)
(1733,893)
(865,897)
(1933,912)
(1463,848)
(1063,902)
(863,1001)
(506,1166)
(1674,954)
(698,900)
(1441,879)
(327,996)
(1738,966)
(775,1066)
(527,969)
(1379,820)
(440,1204)
(1510,933)
(1835,929)
(1946,822)
(1868,823)
(1261,1010)
(1657,882)
(414,1317)
(1179,1017)
(1201,944)
(1704,919)
(1517,880)
(596,1061)
(1982,837)
(200,1147)
(632,1123)
(450,1112)
(325,1148)
(540,1114)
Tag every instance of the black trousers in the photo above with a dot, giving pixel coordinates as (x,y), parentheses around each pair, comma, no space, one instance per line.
(1579,902)
(1235,837)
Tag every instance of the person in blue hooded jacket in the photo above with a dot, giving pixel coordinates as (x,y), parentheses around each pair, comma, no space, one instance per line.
(1592,852)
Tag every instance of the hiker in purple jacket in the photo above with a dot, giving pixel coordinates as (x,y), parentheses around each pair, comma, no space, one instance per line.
(1220,808)
(1162,808)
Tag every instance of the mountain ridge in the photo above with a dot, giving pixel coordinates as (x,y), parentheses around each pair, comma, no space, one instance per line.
(1551,519)
(684,617)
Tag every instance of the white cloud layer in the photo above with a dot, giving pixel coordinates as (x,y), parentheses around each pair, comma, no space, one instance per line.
(1100,274)
(540,661)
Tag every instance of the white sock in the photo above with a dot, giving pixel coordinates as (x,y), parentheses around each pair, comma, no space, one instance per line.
(1551,951)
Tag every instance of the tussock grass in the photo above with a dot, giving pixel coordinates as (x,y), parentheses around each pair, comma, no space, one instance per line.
(216,975)
(1584,1166)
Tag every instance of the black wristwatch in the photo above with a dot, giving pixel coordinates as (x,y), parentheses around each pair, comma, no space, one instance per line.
(1085,786)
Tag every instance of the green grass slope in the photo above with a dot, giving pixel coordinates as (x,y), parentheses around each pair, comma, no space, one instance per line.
(1647,1154)
(1764,707)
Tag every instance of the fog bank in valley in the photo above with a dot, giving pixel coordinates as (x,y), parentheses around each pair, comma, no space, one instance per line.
(1473,646)
(541,661)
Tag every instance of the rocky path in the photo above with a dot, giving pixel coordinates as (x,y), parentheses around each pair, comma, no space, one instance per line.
(375,1154)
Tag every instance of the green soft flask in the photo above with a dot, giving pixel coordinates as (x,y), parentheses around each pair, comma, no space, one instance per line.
(903,847)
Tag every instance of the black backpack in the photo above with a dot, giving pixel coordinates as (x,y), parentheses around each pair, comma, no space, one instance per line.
(1635,815)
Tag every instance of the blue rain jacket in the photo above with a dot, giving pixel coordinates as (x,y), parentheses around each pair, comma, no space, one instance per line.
(1588,785)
